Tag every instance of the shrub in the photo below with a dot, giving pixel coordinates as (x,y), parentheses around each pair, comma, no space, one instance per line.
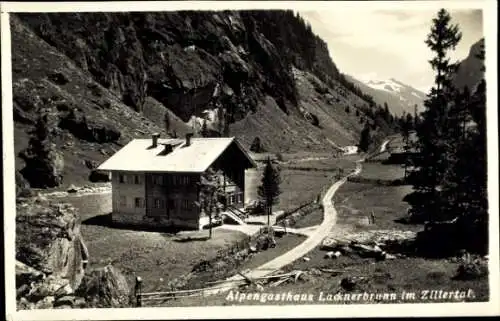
(256,146)
(471,269)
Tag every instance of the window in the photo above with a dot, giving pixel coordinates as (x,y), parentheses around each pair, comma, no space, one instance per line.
(138,202)
(157,203)
(137,179)
(158,180)
(123,201)
(186,204)
(121,178)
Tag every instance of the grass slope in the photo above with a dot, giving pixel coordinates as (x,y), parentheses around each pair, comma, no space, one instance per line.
(292,133)
(414,275)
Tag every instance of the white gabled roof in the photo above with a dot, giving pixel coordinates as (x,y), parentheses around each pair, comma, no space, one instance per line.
(138,155)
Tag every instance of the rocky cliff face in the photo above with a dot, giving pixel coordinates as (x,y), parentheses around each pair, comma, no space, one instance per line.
(177,58)
(51,261)
(106,78)
(50,252)
(470,71)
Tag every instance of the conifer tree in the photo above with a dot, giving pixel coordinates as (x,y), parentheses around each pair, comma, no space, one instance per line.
(365,140)
(433,163)
(166,121)
(204,129)
(465,186)
(269,190)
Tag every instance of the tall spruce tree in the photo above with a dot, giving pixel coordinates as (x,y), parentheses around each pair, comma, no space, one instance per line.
(465,186)
(365,140)
(432,131)
(269,190)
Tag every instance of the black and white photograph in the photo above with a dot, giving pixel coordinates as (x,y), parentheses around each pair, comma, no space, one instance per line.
(301,158)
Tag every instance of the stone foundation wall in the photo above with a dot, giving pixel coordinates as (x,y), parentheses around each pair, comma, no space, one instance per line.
(153,222)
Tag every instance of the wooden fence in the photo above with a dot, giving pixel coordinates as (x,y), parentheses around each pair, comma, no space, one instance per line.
(142,298)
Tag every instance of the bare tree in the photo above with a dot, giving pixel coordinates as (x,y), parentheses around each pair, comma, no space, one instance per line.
(211,192)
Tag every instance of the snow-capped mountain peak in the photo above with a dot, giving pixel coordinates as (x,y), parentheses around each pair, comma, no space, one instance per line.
(399,96)
(395,87)
(389,85)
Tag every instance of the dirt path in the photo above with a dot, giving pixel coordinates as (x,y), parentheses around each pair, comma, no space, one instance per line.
(315,238)
(303,160)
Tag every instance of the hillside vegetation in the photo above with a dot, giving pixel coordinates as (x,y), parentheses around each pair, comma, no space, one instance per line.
(103,79)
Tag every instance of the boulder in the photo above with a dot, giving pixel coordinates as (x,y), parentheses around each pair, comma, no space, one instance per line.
(24,304)
(390,256)
(22,290)
(72,189)
(329,255)
(367,250)
(105,287)
(45,303)
(79,302)
(58,77)
(331,244)
(50,287)
(22,186)
(25,274)
(66,300)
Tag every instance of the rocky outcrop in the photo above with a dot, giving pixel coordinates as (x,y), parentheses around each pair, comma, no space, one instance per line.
(178,58)
(22,186)
(77,124)
(49,259)
(105,287)
(470,71)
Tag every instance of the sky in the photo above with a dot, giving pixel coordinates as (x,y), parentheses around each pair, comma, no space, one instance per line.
(380,44)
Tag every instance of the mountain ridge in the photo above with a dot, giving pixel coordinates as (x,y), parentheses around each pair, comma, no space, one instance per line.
(469,71)
(105,79)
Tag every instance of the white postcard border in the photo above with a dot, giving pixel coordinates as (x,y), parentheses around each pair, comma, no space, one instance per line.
(267,311)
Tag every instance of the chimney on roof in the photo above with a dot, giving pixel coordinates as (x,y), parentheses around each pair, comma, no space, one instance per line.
(167,149)
(154,138)
(188,139)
